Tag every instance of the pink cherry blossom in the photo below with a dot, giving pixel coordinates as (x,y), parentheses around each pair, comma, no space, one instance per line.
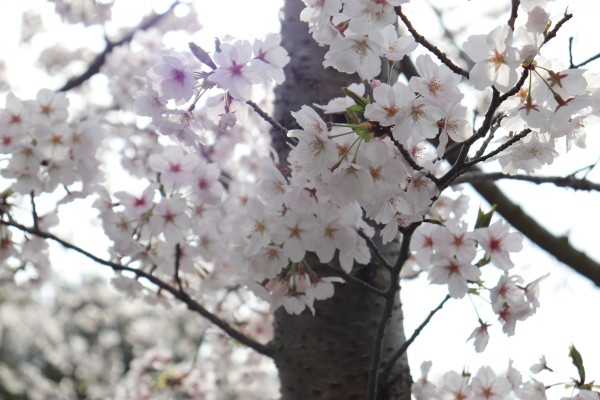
(498,242)
(235,72)
(453,273)
(176,79)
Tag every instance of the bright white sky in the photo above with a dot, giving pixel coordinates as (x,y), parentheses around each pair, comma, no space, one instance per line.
(567,314)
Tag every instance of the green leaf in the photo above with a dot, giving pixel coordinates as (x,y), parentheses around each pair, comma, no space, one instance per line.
(357,99)
(578,363)
(356,107)
(484,219)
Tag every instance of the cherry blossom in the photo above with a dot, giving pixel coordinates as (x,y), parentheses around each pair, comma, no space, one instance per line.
(487,386)
(235,72)
(355,54)
(495,59)
(271,57)
(498,242)
(176,79)
(454,273)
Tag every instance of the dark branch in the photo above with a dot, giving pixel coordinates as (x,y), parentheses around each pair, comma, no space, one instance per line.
(388,368)
(182,296)
(276,125)
(558,247)
(550,35)
(392,292)
(500,149)
(512,213)
(581,64)
(100,59)
(375,251)
(514,10)
(570,181)
(423,41)
(450,36)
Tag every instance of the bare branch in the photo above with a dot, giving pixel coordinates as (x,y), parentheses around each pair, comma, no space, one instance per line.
(341,273)
(276,125)
(514,10)
(177,266)
(450,36)
(388,368)
(550,35)
(180,295)
(500,149)
(98,62)
(34,214)
(423,41)
(375,251)
(581,64)
(570,181)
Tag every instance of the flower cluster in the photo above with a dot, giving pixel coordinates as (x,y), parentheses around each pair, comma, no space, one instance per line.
(486,384)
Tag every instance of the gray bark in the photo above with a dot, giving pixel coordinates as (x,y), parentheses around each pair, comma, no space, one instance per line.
(329,355)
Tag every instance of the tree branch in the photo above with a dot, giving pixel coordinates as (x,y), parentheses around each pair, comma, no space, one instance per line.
(99,60)
(581,64)
(550,35)
(392,292)
(388,368)
(512,213)
(450,36)
(276,125)
(514,11)
(180,295)
(559,181)
(499,149)
(423,41)
(558,247)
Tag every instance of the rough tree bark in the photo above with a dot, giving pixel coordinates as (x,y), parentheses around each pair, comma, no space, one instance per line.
(329,355)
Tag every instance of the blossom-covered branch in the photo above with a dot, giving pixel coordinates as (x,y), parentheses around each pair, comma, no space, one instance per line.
(97,63)
(435,50)
(178,294)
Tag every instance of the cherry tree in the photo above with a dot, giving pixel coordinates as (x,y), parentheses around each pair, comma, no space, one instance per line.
(287,222)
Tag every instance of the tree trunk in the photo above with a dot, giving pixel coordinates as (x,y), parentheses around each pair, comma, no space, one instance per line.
(329,355)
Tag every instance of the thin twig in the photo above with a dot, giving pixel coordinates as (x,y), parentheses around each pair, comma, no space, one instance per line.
(341,273)
(98,62)
(276,125)
(423,41)
(550,35)
(191,304)
(392,361)
(177,266)
(407,157)
(499,149)
(34,213)
(488,139)
(375,250)
(581,64)
(514,10)
(450,36)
